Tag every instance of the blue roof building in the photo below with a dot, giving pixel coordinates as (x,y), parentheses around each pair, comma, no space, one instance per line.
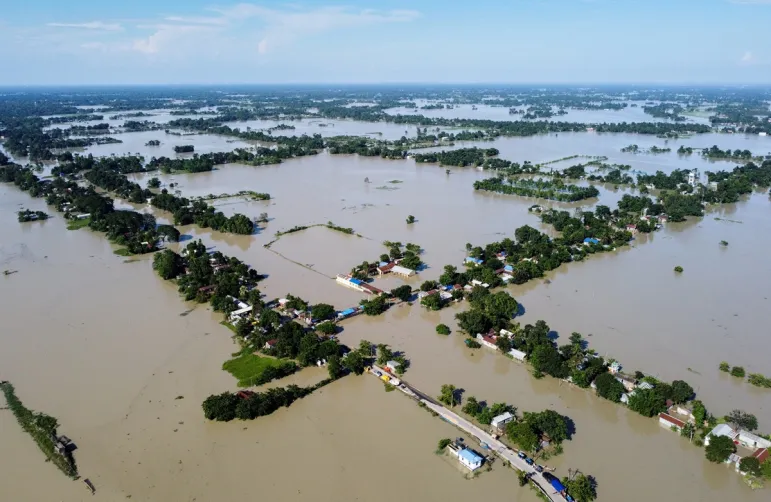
(470,459)
(508,268)
(477,261)
(354,281)
(347,312)
(591,240)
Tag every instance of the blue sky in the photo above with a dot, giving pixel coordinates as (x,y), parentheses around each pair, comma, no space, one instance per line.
(383,41)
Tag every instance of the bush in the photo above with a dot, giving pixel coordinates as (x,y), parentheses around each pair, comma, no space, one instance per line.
(327,328)
(443,329)
(724,366)
(679,269)
(443,444)
(737,371)
(472,344)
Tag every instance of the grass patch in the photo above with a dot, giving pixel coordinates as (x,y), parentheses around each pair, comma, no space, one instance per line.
(251,369)
(42,428)
(228,326)
(122,252)
(76,224)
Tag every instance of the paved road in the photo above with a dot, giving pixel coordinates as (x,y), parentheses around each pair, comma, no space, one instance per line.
(496,446)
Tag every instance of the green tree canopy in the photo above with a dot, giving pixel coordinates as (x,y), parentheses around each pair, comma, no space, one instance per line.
(581,488)
(322,311)
(608,387)
(168,264)
(523,435)
(719,449)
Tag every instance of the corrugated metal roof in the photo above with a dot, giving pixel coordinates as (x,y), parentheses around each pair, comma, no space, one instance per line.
(469,456)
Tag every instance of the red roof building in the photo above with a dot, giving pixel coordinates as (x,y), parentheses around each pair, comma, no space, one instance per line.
(761,454)
(670,421)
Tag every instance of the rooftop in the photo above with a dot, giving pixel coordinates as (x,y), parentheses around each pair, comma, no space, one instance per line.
(672,420)
(470,456)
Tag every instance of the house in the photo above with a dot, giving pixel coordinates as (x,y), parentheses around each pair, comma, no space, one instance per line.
(344,314)
(721,430)
(237,315)
(270,344)
(761,454)
(499,422)
(444,295)
(663,218)
(751,440)
(393,366)
(629,384)
(645,386)
(614,367)
(591,240)
(624,397)
(505,332)
(385,267)
(470,459)
(684,410)
(402,271)
(517,354)
(632,228)
(488,341)
(669,421)
(508,268)
(474,261)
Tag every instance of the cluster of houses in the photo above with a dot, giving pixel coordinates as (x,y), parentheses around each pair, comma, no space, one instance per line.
(490,340)
(751,445)
(393,267)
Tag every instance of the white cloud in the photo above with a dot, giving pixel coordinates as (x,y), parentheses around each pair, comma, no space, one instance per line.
(92,25)
(747,57)
(167,36)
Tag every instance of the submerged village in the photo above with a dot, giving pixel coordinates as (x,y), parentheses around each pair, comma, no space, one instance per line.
(580,209)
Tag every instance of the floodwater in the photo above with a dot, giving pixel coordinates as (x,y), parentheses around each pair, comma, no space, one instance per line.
(501,113)
(105,346)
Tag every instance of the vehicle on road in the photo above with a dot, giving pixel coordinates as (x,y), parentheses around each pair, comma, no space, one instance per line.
(529,461)
(522,454)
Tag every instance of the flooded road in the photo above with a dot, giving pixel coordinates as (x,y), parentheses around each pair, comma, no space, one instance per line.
(107,347)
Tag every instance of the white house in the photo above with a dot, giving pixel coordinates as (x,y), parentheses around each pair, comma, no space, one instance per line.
(402,271)
(487,340)
(721,430)
(669,421)
(470,459)
(501,420)
(517,354)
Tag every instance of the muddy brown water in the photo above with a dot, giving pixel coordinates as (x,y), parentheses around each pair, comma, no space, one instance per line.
(101,344)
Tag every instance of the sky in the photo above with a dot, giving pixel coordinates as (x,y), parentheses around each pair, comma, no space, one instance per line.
(77,42)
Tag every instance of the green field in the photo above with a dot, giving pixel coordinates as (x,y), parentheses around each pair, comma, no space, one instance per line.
(76,224)
(252,369)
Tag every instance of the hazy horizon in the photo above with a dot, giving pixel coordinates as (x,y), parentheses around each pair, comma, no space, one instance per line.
(419,42)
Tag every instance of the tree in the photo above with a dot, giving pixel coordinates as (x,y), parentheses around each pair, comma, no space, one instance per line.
(679,269)
(551,423)
(168,264)
(688,430)
(443,444)
(581,488)
(449,395)
(322,311)
(472,406)
(681,391)
(169,232)
(375,306)
(402,292)
(442,329)
(220,407)
(335,367)
(154,183)
(411,261)
(384,354)
(699,412)
(449,276)
(608,387)
(354,362)
(742,420)
(429,285)
(647,402)
(326,328)
(523,435)
(737,371)
(750,465)
(410,220)
(385,258)
(724,366)
(473,321)
(365,349)
(719,449)
(432,301)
